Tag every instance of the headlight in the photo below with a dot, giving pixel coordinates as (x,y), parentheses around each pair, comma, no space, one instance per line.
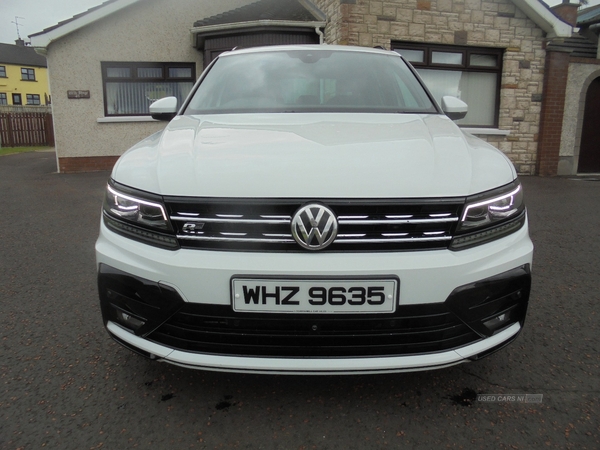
(490,216)
(133,216)
(135,210)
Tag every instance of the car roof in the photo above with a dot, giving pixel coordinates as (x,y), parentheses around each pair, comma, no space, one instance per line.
(313,47)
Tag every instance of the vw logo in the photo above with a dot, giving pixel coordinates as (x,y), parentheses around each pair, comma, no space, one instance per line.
(314,226)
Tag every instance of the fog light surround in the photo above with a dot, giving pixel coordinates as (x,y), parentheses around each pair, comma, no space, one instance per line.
(500,321)
(128,320)
(489,305)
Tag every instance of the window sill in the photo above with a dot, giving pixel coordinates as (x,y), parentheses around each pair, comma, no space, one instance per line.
(486,131)
(125,119)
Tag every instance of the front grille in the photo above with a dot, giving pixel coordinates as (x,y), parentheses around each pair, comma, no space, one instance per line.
(265,225)
(412,329)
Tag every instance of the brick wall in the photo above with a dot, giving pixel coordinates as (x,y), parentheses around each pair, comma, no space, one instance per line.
(483,23)
(555,87)
(86,164)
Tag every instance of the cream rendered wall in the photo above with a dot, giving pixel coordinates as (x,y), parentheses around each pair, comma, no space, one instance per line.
(580,78)
(151,30)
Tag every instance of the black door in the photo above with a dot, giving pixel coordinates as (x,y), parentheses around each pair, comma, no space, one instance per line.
(589,153)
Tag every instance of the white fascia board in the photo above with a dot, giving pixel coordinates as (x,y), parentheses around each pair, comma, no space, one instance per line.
(41,41)
(257,23)
(544,18)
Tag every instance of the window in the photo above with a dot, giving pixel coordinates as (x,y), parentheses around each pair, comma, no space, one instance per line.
(470,73)
(17,99)
(3,98)
(130,88)
(27,74)
(33,99)
(304,81)
(2,71)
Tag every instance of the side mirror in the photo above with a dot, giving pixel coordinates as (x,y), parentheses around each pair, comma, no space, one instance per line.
(454,107)
(164,108)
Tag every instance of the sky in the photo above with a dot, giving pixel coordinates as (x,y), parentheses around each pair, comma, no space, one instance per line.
(35,15)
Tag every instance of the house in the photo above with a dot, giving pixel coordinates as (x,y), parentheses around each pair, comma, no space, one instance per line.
(503,57)
(23,76)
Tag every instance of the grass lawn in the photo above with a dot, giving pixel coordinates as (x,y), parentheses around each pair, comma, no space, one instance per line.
(11,150)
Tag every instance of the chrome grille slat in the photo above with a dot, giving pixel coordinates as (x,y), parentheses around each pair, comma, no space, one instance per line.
(224,220)
(234,239)
(265,225)
(342,240)
(395,221)
(389,240)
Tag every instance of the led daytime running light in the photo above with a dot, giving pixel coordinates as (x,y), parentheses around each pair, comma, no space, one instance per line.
(493,200)
(137,200)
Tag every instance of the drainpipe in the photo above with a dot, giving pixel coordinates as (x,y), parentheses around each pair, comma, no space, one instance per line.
(320,33)
(594,28)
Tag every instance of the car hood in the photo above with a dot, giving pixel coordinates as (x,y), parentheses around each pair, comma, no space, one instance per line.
(313,156)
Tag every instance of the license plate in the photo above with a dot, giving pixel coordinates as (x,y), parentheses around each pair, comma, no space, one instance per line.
(314,296)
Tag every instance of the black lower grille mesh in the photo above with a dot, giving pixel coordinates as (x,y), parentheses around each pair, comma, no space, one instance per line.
(217,330)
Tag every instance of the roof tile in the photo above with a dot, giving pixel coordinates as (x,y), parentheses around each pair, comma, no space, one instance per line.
(291,10)
(21,56)
(579,45)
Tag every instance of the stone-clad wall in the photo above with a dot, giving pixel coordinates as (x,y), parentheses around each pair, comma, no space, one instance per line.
(483,23)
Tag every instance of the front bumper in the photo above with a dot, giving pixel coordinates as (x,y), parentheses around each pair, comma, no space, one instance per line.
(176,307)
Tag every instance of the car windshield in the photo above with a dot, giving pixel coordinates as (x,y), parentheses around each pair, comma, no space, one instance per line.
(310,81)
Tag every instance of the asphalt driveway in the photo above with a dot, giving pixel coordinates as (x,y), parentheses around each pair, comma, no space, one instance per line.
(65,384)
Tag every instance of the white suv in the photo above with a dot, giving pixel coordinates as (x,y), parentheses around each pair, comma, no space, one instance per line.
(313,210)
